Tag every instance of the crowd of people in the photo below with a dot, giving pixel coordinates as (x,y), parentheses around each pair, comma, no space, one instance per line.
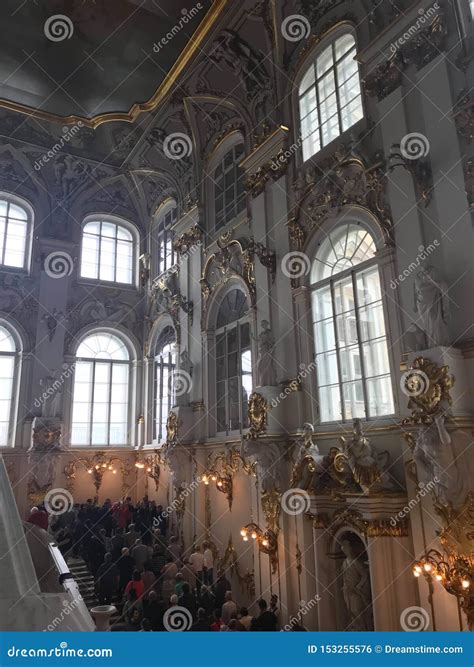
(144,571)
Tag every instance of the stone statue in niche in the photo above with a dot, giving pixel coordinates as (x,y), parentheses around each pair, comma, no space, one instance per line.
(438,464)
(365,463)
(431,305)
(307,447)
(266,373)
(356,585)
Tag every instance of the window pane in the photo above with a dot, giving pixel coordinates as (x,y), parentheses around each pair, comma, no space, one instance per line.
(380,397)
(327,368)
(372,322)
(324,61)
(346,329)
(376,358)
(330,404)
(350,363)
(327,86)
(343,295)
(353,400)
(322,303)
(307,80)
(307,102)
(368,286)
(352,113)
(344,44)
(324,335)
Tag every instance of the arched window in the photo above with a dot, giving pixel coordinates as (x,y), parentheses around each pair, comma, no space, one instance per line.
(14,222)
(330,100)
(233,362)
(108,252)
(101,391)
(229,187)
(162,240)
(165,364)
(8,357)
(349,328)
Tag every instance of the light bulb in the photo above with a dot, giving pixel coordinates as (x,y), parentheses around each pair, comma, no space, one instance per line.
(148,469)
(465,583)
(416,574)
(104,465)
(417,568)
(219,483)
(243,532)
(427,567)
(90,471)
(214,478)
(245,538)
(439,577)
(265,543)
(254,535)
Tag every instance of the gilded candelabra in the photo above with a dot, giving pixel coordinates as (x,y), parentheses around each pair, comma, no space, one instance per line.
(266,541)
(454,573)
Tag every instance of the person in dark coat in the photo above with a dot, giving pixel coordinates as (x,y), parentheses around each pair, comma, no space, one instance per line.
(107,580)
(126,565)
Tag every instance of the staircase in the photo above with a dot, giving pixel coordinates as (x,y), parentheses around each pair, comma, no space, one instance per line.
(85,582)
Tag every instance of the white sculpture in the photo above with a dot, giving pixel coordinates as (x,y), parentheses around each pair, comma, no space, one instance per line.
(431,304)
(437,464)
(364,461)
(266,374)
(52,392)
(356,588)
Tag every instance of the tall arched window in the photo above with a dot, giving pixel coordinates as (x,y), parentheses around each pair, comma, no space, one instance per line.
(330,100)
(229,187)
(8,357)
(165,364)
(349,328)
(162,239)
(108,252)
(233,362)
(14,228)
(101,391)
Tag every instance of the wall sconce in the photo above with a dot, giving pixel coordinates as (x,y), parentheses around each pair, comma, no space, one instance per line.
(266,541)
(454,573)
(151,465)
(223,482)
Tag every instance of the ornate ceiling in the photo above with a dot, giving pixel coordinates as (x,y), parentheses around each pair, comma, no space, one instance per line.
(97,60)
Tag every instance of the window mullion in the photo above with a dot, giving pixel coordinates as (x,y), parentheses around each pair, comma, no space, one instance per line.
(338,360)
(359,341)
(100,250)
(91,419)
(5,237)
(318,107)
(336,85)
(109,402)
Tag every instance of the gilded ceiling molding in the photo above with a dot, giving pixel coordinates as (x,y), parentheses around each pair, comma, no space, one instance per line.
(167,86)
